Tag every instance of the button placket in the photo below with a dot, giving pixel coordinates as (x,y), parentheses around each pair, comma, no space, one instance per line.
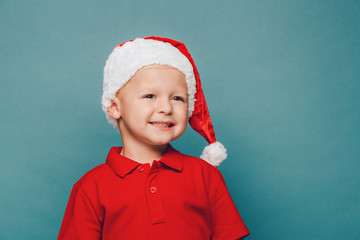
(156,210)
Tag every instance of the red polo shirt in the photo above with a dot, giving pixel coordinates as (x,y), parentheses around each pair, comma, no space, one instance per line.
(178,197)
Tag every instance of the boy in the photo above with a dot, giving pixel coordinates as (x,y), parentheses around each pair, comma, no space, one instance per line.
(147,189)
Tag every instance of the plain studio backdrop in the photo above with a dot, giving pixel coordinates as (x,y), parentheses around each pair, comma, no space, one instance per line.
(281,80)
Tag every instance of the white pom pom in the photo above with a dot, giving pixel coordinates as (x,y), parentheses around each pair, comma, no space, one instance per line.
(214,154)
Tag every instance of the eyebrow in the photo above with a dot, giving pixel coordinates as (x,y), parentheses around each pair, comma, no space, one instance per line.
(146,90)
(152,89)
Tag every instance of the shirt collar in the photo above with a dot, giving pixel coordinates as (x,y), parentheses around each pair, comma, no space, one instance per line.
(122,165)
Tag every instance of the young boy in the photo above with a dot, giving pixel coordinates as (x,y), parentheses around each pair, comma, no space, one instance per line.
(147,189)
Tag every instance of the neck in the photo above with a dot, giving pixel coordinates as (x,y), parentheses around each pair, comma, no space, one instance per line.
(143,153)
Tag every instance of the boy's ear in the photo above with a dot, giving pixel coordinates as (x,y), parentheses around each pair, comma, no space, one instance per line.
(114,109)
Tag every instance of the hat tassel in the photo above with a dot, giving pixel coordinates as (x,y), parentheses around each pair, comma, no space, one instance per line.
(215,153)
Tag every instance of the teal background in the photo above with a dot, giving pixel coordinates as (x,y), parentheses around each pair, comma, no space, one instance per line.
(282,84)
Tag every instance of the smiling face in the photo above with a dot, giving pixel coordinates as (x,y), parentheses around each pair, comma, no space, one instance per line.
(152,108)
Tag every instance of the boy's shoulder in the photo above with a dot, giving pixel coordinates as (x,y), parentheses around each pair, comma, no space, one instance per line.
(200,170)
(95,175)
(196,162)
(199,165)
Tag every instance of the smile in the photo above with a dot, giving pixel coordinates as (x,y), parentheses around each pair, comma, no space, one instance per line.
(163,124)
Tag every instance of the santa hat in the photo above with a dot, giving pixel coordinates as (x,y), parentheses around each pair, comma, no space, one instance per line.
(128,57)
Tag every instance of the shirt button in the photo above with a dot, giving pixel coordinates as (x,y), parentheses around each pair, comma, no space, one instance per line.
(153,190)
(141,168)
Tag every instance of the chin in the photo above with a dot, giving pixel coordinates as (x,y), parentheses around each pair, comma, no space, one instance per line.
(163,140)
(159,142)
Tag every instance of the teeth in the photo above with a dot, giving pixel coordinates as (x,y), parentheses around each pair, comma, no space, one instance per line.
(162,124)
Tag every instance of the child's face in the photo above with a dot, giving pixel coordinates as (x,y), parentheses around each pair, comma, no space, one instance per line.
(153,106)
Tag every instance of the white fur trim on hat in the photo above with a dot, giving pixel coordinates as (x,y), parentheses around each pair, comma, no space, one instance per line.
(125,61)
(214,154)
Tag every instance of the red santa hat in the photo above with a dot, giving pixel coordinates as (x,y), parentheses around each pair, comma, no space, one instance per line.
(129,57)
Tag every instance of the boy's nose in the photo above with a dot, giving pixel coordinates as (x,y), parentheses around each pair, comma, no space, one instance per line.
(165,106)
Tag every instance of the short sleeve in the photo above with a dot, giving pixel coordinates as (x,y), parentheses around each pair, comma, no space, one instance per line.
(80,220)
(227,223)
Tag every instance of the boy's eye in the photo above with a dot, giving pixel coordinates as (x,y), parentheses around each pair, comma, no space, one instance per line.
(177,98)
(149,96)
